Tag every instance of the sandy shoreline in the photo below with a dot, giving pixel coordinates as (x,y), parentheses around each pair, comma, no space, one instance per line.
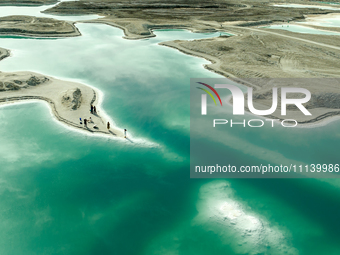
(68,101)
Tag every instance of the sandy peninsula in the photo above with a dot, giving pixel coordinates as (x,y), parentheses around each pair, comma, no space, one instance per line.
(37,27)
(69,101)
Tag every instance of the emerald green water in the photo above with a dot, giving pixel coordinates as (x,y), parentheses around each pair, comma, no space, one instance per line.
(63,192)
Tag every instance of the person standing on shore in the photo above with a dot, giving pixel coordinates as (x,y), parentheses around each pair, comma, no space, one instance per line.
(85,122)
(125,133)
(92,108)
(108,125)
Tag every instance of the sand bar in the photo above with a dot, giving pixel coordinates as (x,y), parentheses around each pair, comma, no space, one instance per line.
(69,101)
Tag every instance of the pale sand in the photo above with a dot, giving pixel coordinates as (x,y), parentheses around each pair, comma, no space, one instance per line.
(321,18)
(308,5)
(37,27)
(59,95)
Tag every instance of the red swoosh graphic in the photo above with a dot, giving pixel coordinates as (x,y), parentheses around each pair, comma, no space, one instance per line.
(212,90)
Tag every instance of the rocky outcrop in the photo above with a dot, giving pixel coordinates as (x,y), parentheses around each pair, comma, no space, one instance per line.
(76,99)
(34,81)
(11,86)
(72,99)
(15,83)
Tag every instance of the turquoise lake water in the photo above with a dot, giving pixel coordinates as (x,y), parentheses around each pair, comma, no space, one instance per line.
(62,192)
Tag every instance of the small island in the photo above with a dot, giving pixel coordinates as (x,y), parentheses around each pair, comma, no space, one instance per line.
(69,101)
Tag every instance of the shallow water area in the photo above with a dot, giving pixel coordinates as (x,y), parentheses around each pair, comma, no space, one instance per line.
(328,20)
(64,192)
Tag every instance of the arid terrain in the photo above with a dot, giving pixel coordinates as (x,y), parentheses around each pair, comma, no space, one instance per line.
(138,18)
(33,26)
(251,52)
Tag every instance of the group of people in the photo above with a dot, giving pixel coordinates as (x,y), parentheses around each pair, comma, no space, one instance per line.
(86,121)
(94,111)
(89,120)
